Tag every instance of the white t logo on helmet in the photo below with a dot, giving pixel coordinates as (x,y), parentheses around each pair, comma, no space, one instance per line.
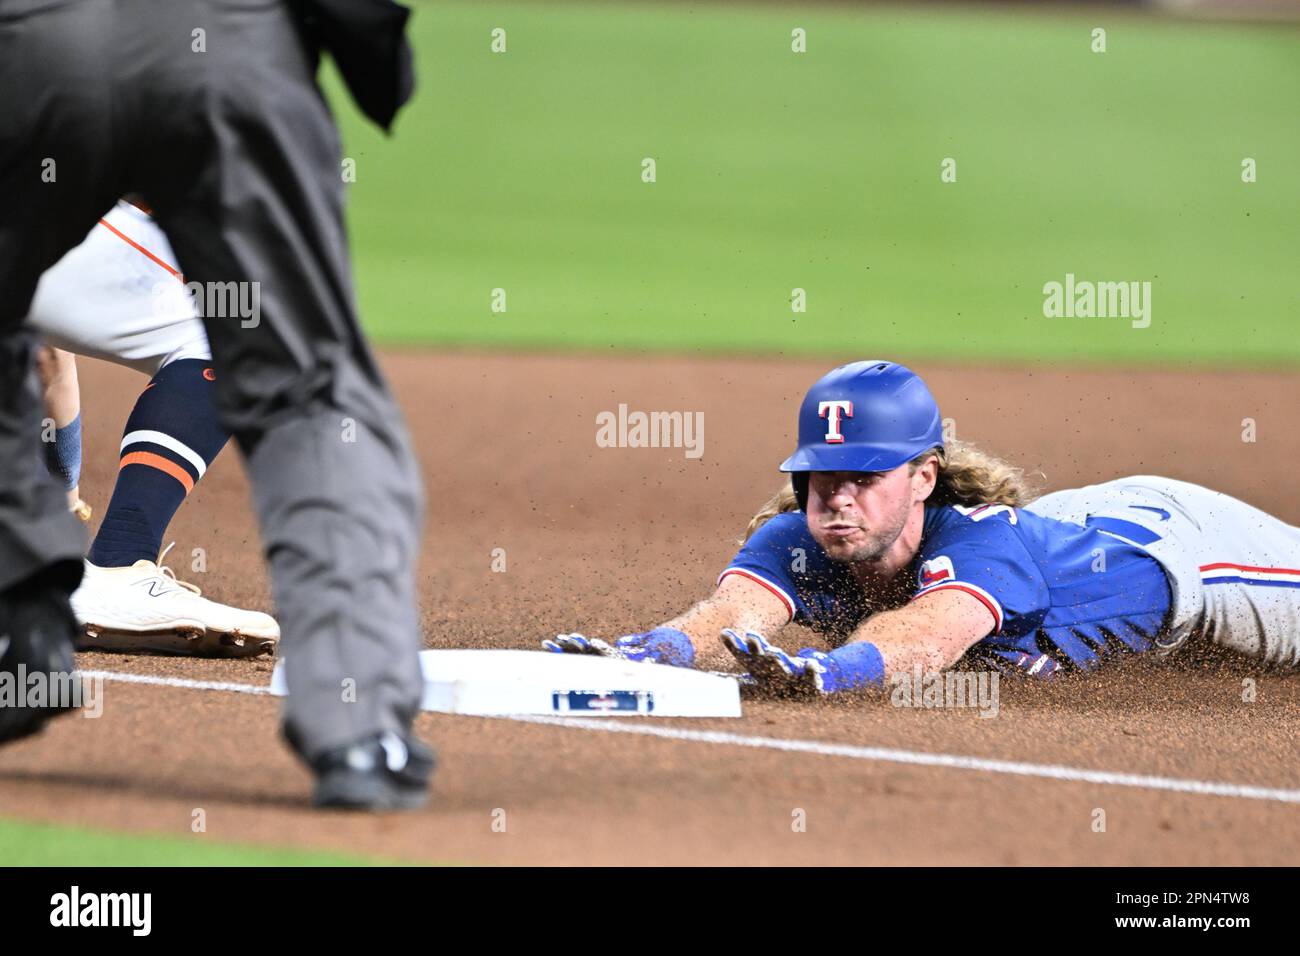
(832,412)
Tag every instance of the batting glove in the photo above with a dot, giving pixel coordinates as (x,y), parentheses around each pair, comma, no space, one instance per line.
(577,644)
(663,645)
(774,669)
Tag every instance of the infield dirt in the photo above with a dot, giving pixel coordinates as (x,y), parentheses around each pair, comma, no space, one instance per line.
(610,540)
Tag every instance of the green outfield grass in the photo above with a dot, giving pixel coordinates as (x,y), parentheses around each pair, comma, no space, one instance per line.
(43,844)
(778,170)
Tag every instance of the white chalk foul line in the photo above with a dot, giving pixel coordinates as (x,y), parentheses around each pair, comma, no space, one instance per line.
(884,754)
(179,682)
(889,755)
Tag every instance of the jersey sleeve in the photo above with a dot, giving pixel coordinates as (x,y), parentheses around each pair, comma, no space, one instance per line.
(770,556)
(980,552)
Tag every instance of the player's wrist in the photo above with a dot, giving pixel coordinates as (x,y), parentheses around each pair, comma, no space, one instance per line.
(851,667)
(63,454)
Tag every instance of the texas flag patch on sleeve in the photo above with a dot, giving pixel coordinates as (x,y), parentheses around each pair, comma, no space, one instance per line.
(934,571)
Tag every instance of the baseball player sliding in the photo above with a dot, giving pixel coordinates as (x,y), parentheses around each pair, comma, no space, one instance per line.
(118,296)
(906,551)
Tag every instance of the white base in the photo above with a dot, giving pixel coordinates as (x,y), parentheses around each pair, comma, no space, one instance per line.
(500,683)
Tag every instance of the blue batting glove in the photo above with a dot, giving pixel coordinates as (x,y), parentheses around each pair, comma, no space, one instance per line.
(577,644)
(851,667)
(820,670)
(771,667)
(663,645)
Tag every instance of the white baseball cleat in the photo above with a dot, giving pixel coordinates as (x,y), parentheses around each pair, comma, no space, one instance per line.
(145,608)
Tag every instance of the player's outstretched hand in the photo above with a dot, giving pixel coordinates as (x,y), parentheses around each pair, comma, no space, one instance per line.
(630,648)
(663,645)
(772,668)
(577,644)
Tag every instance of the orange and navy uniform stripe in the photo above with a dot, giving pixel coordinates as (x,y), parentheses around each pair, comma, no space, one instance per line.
(164,453)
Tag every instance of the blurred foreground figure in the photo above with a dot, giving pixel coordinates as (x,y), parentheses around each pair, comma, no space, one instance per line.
(209,111)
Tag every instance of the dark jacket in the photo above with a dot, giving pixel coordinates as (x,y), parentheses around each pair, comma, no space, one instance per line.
(367,39)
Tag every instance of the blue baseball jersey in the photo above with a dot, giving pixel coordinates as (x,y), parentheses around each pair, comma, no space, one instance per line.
(1059,594)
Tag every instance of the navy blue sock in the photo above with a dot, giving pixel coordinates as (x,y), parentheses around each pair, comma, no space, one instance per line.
(170,440)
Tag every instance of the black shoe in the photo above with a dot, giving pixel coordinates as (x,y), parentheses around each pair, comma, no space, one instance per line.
(384,772)
(37,629)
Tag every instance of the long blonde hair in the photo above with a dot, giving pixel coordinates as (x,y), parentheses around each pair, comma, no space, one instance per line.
(967,476)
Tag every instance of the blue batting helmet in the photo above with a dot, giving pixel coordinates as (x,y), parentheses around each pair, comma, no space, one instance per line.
(865,416)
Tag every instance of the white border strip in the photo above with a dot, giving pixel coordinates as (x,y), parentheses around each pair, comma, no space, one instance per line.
(884,754)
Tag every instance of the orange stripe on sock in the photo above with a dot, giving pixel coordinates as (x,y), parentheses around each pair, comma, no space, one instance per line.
(161,463)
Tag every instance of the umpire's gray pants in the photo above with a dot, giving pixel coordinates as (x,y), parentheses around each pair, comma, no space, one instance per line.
(209,110)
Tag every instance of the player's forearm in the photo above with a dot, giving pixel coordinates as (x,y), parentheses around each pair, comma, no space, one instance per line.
(702,624)
(57,370)
(912,636)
